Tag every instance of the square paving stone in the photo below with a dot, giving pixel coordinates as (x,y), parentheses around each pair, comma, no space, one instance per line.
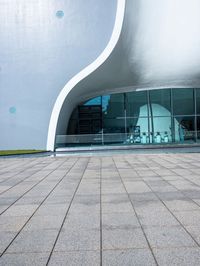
(183,172)
(146,196)
(164,189)
(33,241)
(137,187)
(7,200)
(117,207)
(178,256)
(157,218)
(21,210)
(192,194)
(112,189)
(162,237)
(52,210)
(74,239)
(153,180)
(58,199)
(123,238)
(194,230)
(3,208)
(29,259)
(29,201)
(146,173)
(172,178)
(119,220)
(171,195)
(165,172)
(44,223)
(12,224)
(113,198)
(110,178)
(146,207)
(181,205)
(4,188)
(86,204)
(130,179)
(5,239)
(156,183)
(38,192)
(81,221)
(61,192)
(136,257)
(188,217)
(83,258)
(87,191)
(128,173)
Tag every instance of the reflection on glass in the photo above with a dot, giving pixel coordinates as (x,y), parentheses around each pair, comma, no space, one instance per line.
(139,117)
(114,107)
(161,129)
(94,101)
(134,101)
(158,99)
(137,130)
(198,128)
(105,102)
(114,125)
(198,100)
(184,128)
(160,123)
(183,101)
(73,124)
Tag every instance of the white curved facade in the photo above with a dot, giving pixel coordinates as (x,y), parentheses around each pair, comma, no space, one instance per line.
(43,45)
(64,94)
(141,44)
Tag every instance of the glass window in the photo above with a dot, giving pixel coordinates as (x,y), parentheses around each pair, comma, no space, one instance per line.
(73,123)
(90,119)
(198,128)
(137,130)
(183,101)
(94,101)
(123,117)
(160,102)
(105,102)
(161,129)
(184,128)
(73,128)
(139,122)
(136,104)
(116,125)
(198,100)
(113,106)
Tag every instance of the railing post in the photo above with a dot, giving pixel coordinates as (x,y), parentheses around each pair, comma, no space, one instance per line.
(102,139)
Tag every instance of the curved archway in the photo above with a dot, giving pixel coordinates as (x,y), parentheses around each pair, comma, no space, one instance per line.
(65,93)
(136,57)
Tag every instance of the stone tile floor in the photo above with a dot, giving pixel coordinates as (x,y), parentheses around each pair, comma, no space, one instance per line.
(123,209)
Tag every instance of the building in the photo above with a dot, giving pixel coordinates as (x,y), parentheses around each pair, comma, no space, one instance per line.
(122,72)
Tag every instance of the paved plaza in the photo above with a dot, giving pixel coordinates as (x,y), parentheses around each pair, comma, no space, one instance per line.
(128,209)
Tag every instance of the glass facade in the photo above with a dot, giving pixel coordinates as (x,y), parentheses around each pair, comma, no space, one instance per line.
(139,117)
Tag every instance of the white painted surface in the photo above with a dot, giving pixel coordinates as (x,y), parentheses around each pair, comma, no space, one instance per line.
(84,73)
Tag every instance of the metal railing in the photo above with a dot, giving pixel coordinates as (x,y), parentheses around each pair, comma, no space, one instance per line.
(127,138)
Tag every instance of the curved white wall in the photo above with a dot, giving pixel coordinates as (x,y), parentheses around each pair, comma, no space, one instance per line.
(159,47)
(40,51)
(70,86)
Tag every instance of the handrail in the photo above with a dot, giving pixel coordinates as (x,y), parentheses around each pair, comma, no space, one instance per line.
(131,138)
